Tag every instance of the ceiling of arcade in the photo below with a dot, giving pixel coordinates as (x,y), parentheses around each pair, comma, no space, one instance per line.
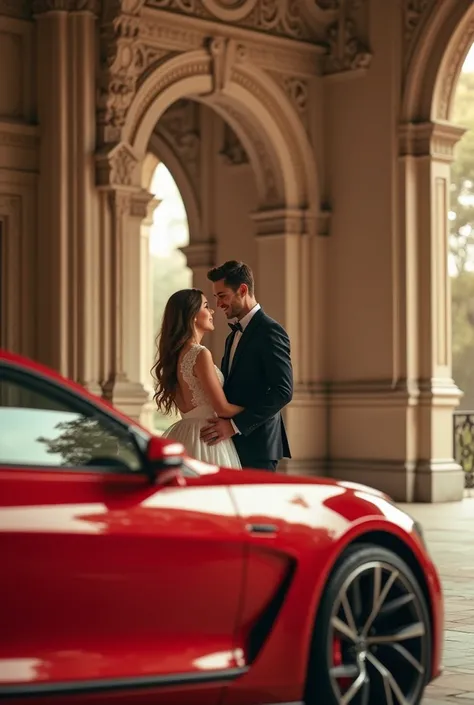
(289,40)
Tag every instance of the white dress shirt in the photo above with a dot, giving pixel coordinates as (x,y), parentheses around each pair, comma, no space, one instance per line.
(244,323)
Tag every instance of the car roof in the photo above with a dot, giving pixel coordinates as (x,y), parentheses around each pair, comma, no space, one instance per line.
(11,358)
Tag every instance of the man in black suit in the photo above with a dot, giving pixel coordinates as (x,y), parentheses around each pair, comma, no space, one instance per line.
(257,370)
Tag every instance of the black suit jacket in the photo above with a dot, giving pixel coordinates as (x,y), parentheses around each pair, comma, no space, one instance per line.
(261,380)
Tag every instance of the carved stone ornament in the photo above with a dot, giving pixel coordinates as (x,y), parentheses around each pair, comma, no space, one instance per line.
(346,51)
(414,12)
(232,148)
(230,10)
(225,53)
(279,17)
(179,126)
(115,167)
(123,60)
(41,7)
(297,91)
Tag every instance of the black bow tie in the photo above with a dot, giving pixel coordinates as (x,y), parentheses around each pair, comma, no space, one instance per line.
(236,326)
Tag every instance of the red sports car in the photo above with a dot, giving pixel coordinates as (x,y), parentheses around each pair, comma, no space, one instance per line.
(133,574)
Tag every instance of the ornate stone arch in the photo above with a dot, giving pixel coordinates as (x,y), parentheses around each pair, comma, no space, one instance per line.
(442,43)
(235,92)
(161,148)
(439,36)
(137,90)
(451,65)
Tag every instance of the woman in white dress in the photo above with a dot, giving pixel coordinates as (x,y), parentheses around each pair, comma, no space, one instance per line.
(186,378)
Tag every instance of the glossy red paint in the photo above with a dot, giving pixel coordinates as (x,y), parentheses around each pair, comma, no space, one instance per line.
(155,591)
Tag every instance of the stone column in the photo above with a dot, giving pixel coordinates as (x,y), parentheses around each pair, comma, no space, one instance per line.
(67,262)
(290,285)
(122,303)
(427,153)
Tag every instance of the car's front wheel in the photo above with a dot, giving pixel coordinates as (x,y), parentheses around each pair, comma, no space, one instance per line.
(372,640)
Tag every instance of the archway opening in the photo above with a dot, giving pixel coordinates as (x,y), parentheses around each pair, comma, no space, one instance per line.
(206,190)
(169,272)
(461,267)
(461,236)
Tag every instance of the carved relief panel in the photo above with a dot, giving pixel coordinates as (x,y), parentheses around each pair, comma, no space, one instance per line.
(137,36)
(180,127)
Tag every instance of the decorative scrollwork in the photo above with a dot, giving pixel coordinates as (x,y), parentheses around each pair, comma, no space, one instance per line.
(224,54)
(346,51)
(280,17)
(414,11)
(179,126)
(122,61)
(233,150)
(115,167)
(463,427)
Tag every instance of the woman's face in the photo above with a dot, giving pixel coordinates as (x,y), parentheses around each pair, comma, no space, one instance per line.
(204,318)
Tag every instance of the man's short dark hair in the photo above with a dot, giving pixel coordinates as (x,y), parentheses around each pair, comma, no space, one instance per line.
(234,274)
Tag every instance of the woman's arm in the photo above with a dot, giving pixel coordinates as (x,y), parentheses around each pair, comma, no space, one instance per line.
(205,372)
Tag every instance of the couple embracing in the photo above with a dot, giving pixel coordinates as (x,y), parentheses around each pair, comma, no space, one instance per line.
(231,416)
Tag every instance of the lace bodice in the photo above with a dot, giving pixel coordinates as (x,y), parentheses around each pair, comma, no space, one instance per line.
(199,397)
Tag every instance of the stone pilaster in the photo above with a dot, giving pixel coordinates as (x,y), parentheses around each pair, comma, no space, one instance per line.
(123,300)
(290,283)
(67,262)
(426,157)
(393,429)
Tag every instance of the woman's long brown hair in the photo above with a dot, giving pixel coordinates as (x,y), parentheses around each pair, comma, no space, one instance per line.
(176,330)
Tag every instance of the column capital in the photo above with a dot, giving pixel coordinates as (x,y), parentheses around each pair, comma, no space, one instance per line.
(150,208)
(429,139)
(132,201)
(279,221)
(200,254)
(43,7)
(291,221)
(116,167)
(140,204)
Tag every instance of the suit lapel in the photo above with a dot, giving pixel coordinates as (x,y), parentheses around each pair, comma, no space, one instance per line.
(225,359)
(243,342)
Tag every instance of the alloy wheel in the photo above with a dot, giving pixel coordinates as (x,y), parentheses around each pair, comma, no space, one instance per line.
(377,638)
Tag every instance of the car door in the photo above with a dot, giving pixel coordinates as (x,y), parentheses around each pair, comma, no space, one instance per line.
(110,584)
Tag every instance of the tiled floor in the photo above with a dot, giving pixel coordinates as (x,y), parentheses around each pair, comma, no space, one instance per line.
(449,532)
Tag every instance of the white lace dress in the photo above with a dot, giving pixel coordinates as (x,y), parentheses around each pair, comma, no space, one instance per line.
(187,431)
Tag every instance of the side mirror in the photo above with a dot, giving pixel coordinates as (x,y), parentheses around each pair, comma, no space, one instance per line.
(164,460)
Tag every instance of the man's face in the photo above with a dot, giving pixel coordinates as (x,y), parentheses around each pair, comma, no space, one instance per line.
(228,300)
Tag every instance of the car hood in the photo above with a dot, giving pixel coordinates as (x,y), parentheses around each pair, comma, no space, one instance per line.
(263,477)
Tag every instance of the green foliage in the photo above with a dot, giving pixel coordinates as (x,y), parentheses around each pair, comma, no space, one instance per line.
(462,176)
(82,439)
(462,243)
(168,274)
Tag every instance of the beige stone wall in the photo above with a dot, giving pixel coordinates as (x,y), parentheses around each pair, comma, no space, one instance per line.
(19,161)
(317,148)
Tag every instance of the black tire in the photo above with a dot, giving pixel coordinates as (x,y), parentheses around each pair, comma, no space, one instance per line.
(362,561)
